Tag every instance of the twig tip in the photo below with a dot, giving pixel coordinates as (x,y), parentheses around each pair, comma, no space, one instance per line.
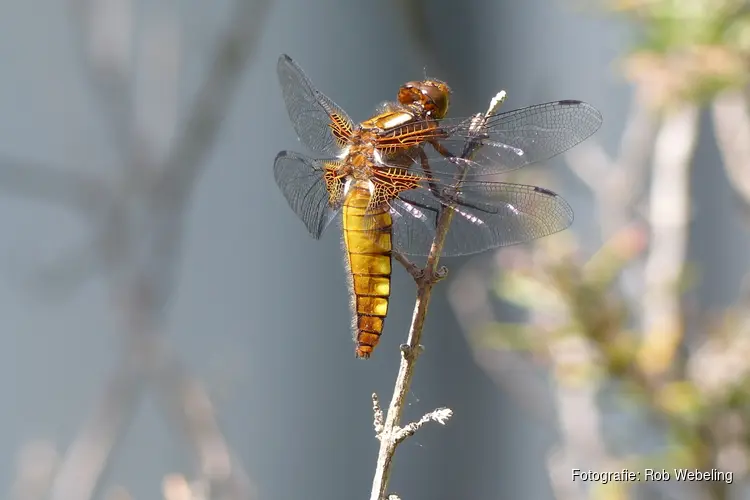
(439,415)
(378,421)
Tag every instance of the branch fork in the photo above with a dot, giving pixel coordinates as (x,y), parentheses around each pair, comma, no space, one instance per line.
(421,276)
(398,434)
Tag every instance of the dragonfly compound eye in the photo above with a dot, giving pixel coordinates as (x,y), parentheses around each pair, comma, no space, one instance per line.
(431,96)
(436,98)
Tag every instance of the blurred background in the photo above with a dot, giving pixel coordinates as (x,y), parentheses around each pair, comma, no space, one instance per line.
(171,331)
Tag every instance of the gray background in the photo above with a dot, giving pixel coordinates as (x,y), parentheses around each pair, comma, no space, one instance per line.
(260,310)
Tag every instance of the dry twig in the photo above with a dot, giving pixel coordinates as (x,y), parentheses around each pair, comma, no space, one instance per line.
(388,430)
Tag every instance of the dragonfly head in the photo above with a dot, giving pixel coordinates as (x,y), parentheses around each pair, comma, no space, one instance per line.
(431,96)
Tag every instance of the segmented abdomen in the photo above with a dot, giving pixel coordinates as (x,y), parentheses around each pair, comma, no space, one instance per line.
(367,238)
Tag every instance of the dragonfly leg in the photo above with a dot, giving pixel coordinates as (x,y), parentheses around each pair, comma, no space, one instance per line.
(439,274)
(409,352)
(420,275)
(428,208)
(441,149)
(448,155)
(428,170)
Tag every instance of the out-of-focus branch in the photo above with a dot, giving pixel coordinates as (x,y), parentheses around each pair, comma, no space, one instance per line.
(148,361)
(188,403)
(85,193)
(211,105)
(669,217)
(138,237)
(674,70)
(86,459)
(35,469)
(81,192)
(732,128)
(469,295)
(156,94)
(616,183)
(616,186)
(582,444)
(103,30)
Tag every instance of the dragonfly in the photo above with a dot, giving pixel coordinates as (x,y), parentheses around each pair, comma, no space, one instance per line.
(392,175)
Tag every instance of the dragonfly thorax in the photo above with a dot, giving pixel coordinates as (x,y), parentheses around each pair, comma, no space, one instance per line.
(388,120)
(358,162)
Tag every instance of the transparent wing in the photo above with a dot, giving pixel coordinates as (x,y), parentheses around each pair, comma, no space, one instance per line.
(486,215)
(302,182)
(320,124)
(508,141)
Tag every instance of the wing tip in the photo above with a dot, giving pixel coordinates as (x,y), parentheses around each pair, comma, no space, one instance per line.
(285,59)
(562,204)
(283,154)
(546,191)
(286,67)
(579,103)
(591,110)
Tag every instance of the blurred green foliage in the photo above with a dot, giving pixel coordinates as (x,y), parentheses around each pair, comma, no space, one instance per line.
(579,327)
(688,49)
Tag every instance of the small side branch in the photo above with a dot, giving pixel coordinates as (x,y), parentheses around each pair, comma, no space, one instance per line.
(414,270)
(440,415)
(377,415)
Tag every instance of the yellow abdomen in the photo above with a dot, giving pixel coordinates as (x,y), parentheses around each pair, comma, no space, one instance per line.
(367,238)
